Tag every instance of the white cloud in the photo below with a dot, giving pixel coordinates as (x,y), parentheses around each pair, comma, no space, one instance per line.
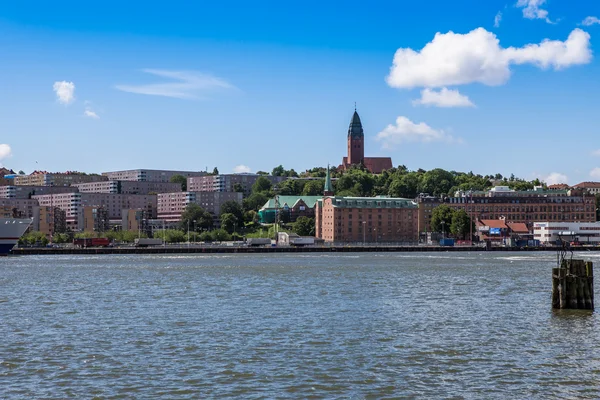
(532,10)
(554,178)
(91,114)
(239,169)
(5,152)
(589,21)
(65,91)
(443,98)
(407,131)
(596,153)
(187,85)
(458,59)
(497,19)
(595,173)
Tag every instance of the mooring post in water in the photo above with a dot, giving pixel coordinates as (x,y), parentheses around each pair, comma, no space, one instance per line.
(573,283)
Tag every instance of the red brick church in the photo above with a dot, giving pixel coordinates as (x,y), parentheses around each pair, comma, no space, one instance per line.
(356,150)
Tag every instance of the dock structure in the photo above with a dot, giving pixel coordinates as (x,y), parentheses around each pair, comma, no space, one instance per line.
(573,284)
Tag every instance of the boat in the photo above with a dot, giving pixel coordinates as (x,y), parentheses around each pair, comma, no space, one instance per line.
(11,229)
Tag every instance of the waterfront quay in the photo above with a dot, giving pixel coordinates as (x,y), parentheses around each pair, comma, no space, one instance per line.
(195,249)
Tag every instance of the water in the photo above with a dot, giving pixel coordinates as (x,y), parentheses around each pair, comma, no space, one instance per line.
(446,325)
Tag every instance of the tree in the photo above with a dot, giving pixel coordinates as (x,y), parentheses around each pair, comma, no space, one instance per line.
(233,207)
(255,201)
(21,172)
(237,187)
(461,225)
(229,222)
(305,226)
(193,212)
(215,171)
(181,180)
(436,182)
(220,235)
(60,238)
(261,185)
(441,218)
(279,171)
(313,188)
(261,173)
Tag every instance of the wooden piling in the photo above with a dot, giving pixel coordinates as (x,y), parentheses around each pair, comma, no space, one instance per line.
(573,285)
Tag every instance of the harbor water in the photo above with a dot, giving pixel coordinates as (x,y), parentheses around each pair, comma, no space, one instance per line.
(354,325)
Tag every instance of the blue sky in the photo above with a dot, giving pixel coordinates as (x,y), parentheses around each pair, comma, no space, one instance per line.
(249,86)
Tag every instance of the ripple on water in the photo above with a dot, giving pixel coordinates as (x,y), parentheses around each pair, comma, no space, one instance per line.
(381,325)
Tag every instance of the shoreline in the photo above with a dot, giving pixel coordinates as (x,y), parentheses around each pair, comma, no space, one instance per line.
(266,250)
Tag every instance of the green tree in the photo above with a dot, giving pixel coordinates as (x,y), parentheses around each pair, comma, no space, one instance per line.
(441,218)
(436,182)
(405,185)
(197,217)
(304,226)
(261,185)
(182,180)
(21,172)
(233,207)
(255,201)
(313,188)
(61,238)
(220,235)
(261,173)
(279,171)
(461,225)
(229,222)
(237,187)
(215,171)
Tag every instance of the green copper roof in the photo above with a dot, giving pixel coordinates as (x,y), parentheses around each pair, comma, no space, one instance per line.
(290,201)
(372,202)
(328,188)
(355,129)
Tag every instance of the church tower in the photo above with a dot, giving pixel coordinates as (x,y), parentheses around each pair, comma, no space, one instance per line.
(328,188)
(356,141)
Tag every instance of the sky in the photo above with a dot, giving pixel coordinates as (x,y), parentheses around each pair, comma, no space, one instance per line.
(468,85)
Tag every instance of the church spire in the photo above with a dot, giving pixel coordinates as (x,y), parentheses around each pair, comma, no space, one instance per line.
(327,189)
(355,129)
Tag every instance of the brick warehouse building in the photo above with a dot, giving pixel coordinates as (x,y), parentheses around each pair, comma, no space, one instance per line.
(356,150)
(366,219)
(526,207)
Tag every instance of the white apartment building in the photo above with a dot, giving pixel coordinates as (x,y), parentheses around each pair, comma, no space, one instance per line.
(170,206)
(128,187)
(148,175)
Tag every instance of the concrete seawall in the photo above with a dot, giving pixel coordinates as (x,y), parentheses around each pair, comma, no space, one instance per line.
(252,250)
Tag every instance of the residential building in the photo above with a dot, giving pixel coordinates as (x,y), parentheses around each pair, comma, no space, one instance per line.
(591,187)
(148,175)
(356,150)
(44,178)
(128,187)
(172,205)
(526,207)
(95,219)
(288,208)
(228,182)
(25,192)
(498,230)
(49,220)
(366,219)
(6,176)
(8,212)
(73,203)
(22,208)
(549,232)
(136,220)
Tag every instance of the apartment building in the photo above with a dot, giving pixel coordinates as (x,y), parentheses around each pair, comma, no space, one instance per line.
(21,208)
(95,219)
(172,205)
(128,187)
(148,175)
(73,203)
(228,182)
(366,219)
(43,178)
(49,220)
(25,192)
(590,187)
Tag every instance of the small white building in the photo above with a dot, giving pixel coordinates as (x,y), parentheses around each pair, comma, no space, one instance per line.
(550,232)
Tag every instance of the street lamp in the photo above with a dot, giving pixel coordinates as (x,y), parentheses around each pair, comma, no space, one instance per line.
(188,224)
